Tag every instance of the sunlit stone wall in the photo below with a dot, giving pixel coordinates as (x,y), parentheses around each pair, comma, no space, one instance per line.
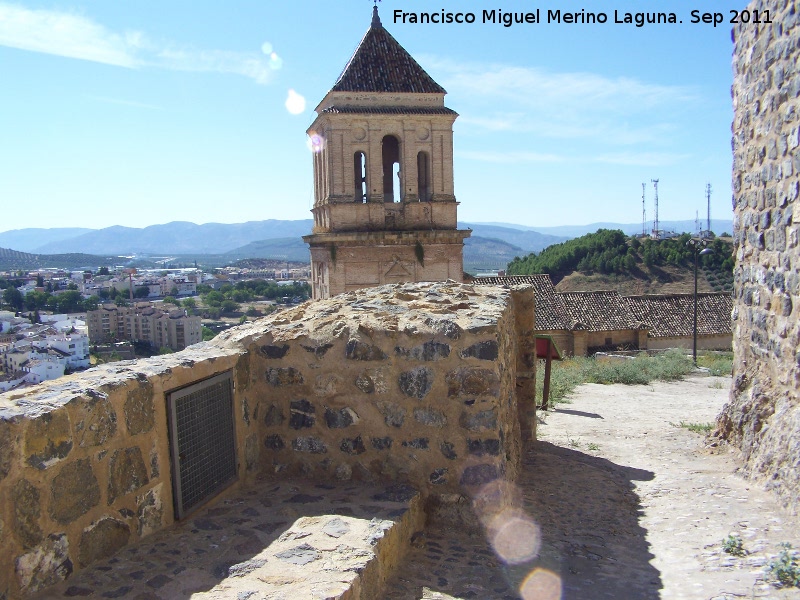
(763,415)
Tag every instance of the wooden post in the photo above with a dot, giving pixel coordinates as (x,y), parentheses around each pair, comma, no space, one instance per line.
(546,386)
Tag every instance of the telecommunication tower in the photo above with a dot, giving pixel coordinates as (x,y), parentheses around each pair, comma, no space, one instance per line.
(644,213)
(708,199)
(656,232)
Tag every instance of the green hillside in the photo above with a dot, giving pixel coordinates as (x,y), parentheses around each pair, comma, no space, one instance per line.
(12,260)
(611,252)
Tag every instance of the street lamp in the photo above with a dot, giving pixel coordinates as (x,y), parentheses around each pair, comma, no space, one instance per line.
(696,243)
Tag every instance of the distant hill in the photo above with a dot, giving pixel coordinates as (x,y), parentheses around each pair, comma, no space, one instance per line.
(12,260)
(482,253)
(28,240)
(178,237)
(288,248)
(527,240)
(718,226)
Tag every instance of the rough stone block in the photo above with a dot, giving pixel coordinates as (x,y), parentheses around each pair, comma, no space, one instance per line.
(45,565)
(352,445)
(95,421)
(312,445)
(140,409)
(73,492)
(472,381)
(100,540)
(126,473)
(394,415)
(274,442)
(271,351)
(339,419)
(48,439)
(301,414)
(417,382)
(274,416)
(27,511)
(429,351)
(279,377)
(356,350)
(430,417)
(150,511)
(482,350)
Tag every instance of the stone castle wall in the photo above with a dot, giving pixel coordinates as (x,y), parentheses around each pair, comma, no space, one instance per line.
(427,384)
(763,415)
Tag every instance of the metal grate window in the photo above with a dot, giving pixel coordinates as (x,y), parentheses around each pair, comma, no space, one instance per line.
(202,441)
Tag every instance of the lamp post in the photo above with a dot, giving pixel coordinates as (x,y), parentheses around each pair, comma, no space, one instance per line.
(696,243)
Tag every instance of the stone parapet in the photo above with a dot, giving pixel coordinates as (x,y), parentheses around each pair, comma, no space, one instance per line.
(423,384)
(763,416)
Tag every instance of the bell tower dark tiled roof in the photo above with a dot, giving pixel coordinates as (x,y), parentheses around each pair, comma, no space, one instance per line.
(381,64)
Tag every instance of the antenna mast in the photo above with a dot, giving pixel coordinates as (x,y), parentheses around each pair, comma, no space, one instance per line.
(656,233)
(644,213)
(708,199)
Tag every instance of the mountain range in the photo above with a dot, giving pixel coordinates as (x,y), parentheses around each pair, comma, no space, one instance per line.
(492,245)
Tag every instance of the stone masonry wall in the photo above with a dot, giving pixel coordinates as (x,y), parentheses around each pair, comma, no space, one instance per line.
(427,384)
(763,415)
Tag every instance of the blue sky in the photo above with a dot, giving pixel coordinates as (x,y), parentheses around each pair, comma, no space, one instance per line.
(138,113)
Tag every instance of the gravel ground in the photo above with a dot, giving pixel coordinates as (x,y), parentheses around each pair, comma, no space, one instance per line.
(619,500)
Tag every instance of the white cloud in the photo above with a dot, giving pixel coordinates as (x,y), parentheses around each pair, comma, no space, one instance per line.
(74,36)
(578,105)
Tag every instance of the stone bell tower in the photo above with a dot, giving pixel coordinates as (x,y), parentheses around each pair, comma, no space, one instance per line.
(384,204)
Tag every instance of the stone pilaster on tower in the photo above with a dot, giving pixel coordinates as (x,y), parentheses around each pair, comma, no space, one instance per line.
(384,201)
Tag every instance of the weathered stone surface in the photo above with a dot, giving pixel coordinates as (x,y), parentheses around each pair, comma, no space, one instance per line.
(381,443)
(365,384)
(472,381)
(372,381)
(341,418)
(356,350)
(428,351)
(482,350)
(439,476)
(126,473)
(274,442)
(479,421)
(48,439)
(281,376)
(479,475)
(8,447)
(140,411)
(430,417)
(448,450)
(95,421)
(335,528)
(327,385)
(352,445)
(251,452)
(394,415)
(490,447)
(417,382)
(311,445)
(271,351)
(318,351)
(300,555)
(301,414)
(150,511)
(274,416)
(27,511)
(45,565)
(420,443)
(73,492)
(155,470)
(102,539)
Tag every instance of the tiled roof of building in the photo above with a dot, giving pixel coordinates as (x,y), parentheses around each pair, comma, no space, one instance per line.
(381,64)
(671,315)
(599,311)
(390,110)
(550,311)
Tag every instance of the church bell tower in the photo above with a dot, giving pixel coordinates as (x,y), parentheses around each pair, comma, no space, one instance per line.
(384,203)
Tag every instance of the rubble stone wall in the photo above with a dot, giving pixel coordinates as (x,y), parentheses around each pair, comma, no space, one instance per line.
(427,384)
(763,415)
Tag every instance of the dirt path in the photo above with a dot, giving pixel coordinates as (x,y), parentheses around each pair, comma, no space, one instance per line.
(629,504)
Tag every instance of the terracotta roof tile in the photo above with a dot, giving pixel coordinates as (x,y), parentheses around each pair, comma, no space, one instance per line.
(381,64)
(551,313)
(671,315)
(599,311)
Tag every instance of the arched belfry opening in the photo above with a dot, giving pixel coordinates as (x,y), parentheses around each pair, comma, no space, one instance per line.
(390,150)
(384,198)
(423,176)
(360,176)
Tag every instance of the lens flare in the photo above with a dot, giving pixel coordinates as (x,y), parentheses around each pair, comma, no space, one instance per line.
(295,103)
(266,48)
(495,497)
(541,584)
(315,142)
(514,536)
(275,61)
